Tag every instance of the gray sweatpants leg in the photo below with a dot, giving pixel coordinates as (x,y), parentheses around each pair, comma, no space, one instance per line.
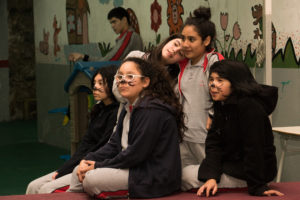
(46,184)
(99,180)
(190,179)
(191,153)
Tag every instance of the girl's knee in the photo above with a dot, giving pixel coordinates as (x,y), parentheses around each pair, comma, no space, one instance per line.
(46,188)
(90,185)
(32,187)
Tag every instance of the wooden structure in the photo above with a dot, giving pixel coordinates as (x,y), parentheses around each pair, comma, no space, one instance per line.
(78,86)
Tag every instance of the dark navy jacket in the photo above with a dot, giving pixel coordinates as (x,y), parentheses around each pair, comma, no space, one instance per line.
(240,141)
(152,155)
(98,133)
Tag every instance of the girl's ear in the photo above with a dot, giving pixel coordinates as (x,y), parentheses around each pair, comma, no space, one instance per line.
(207,41)
(146,82)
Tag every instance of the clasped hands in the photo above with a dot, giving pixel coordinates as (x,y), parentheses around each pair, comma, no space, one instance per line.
(84,166)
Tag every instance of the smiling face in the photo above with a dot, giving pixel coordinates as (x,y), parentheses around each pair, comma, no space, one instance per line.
(100,90)
(172,51)
(131,90)
(219,88)
(193,46)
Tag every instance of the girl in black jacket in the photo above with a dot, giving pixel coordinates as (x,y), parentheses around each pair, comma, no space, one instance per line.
(102,121)
(142,156)
(240,141)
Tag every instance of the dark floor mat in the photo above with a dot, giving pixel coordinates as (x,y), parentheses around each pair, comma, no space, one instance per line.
(23,158)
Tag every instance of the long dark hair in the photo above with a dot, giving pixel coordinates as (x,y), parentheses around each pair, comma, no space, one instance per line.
(204,27)
(160,88)
(239,75)
(155,56)
(107,73)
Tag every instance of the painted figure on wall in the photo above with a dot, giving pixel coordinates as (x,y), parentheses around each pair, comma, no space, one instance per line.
(57,29)
(77,21)
(174,12)
(44,44)
(257,14)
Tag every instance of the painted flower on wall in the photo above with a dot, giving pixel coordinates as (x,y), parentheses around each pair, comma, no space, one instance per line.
(236,31)
(174,12)
(117,3)
(104,1)
(155,16)
(224,20)
(227,38)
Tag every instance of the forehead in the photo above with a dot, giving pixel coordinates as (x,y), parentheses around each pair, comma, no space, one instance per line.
(129,67)
(214,74)
(114,20)
(176,40)
(98,77)
(190,30)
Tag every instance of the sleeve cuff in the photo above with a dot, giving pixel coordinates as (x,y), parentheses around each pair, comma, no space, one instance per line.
(85,57)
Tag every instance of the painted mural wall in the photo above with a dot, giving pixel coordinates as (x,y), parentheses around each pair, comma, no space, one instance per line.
(61,23)
(57,20)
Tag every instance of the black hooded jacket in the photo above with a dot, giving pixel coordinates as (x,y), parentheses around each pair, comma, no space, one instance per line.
(99,131)
(240,141)
(152,155)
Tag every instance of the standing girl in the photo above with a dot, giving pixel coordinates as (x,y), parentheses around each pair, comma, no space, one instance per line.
(198,35)
(142,156)
(103,118)
(240,147)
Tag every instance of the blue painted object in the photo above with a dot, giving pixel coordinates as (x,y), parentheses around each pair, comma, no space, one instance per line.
(63,110)
(88,68)
(65,157)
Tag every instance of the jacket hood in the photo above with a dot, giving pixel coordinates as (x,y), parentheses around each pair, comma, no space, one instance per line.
(268,98)
(151,102)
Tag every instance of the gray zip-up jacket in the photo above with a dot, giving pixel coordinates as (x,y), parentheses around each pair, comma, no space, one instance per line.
(194,95)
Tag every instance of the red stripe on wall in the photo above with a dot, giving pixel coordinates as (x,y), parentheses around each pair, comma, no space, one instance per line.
(3,63)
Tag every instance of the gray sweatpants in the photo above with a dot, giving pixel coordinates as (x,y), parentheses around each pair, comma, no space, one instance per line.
(190,179)
(46,184)
(191,153)
(100,180)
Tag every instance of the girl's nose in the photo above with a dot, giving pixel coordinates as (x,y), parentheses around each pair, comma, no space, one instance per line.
(184,44)
(176,49)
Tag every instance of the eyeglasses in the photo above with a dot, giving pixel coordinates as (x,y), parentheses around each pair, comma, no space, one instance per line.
(126,77)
